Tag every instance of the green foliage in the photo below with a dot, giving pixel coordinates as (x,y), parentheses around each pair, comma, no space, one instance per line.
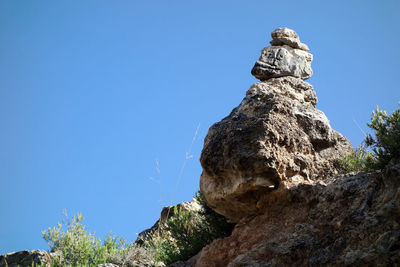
(386,144)
(357,160)
(180,237)
(183,235)
(76,247)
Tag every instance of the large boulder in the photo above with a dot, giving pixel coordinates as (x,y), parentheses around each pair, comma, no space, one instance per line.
(274,139)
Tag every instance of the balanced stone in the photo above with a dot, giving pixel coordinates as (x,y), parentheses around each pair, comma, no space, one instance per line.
(283,59)
(285,36)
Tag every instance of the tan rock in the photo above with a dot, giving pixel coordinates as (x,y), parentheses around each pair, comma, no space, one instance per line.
(273,140)
(343,221)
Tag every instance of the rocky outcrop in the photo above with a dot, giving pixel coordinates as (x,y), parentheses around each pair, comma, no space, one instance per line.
(271,166)
(273,140)
(351,220)
(25,258)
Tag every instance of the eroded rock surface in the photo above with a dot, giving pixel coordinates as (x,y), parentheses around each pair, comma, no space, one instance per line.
(343,221)
(271,166)
(285,36)
(274,139)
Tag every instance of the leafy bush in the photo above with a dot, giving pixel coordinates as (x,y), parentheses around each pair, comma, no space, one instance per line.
(178,238)
(76,247)
(183,235)
(385,145)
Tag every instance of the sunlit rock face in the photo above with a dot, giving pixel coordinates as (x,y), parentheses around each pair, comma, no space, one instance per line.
(285,36)
(273,140)
(287,57)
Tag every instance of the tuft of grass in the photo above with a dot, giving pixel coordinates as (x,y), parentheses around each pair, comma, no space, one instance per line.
(357,160)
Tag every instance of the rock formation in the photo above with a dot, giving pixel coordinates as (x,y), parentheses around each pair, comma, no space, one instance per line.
(271,167)
(273,140)
(349,220)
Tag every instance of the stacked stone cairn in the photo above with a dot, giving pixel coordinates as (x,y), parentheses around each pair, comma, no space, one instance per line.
(274,140)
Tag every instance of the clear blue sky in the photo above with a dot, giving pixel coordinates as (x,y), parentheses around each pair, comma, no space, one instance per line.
(93,93)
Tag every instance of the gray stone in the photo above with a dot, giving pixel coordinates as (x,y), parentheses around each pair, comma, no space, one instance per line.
(25,258)
(279,61)
(284,33)
(286,57)
(285,36)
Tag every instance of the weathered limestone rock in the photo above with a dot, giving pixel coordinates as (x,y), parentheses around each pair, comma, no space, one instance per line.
(285,36)
(287,57)
(349,220)
(273,140)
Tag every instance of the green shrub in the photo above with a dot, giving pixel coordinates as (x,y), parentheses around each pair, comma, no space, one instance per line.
(74,246)
(386,144)
(183,235)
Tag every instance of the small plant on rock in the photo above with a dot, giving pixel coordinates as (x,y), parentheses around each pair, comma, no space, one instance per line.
(357,160)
